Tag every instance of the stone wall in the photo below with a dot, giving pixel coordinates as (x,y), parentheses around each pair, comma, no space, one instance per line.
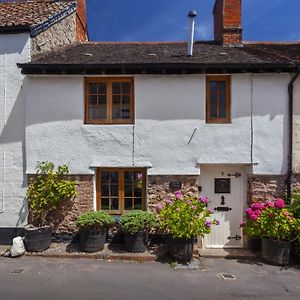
(63,219)
(59,34)
(266,187)
(159,187)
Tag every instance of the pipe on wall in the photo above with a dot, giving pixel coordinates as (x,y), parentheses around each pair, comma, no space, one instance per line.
(291,121)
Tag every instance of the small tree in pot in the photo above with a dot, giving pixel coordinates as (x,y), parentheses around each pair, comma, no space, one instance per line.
(93,226)
(45,193)
(184,218)
(136,225)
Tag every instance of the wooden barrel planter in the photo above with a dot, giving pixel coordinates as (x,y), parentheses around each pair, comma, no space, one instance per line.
(137,242)
(37,239)
(181,249)
(92,240)
(276,252)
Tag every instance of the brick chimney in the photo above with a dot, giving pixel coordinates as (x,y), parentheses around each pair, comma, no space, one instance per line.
(81,26)
(228,22)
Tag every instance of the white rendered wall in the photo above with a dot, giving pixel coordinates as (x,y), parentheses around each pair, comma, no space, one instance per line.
(14,48)
(169,109)
(296,127)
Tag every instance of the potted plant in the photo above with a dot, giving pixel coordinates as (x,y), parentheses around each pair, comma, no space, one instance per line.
(93,227)
(136,225)
(251,227)
(45,192)
(184,218)
(277,227)
(295,209)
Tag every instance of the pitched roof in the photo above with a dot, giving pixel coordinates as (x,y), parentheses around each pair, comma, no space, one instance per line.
(136,57)
(31,15)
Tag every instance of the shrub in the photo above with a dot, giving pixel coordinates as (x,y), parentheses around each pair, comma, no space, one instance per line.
(94,220)
(47,190)
(185,216)
(271,220)
(137,220)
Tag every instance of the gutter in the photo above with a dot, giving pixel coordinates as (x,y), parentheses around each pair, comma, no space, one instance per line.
(290,127)
(153,68)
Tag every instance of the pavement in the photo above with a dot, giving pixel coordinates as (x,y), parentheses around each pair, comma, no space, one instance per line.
(39,278)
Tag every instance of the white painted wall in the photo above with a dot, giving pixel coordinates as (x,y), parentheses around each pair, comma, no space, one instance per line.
(296,128)
(168,110)
(13,48)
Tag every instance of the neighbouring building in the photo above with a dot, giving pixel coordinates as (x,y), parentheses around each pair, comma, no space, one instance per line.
(137,121)
(27,29)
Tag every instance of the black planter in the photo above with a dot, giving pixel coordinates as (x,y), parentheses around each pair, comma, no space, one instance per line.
(92,240)
(276,252)
(37,239)
(255,244)
(137,242)
(181,249)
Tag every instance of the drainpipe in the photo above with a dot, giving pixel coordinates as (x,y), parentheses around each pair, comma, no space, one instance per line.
(291,121)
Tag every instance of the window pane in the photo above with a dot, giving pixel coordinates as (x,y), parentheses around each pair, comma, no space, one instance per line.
(114,177)
(128,190)
(222,87)
(93,112)
(102,88)
(116,99)
(114,204)
(126,88)
(129,177)
(116,112)
(213,86)
(92,88)
(138,203)
(125,112)
(126,99)
(128,203)
(213,111)
(114,190)
(104,177)
(105,203)
(105,190)
(213,99)
(116,88)
(222,111)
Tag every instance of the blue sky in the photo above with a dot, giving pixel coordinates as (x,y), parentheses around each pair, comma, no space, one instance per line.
(165,20)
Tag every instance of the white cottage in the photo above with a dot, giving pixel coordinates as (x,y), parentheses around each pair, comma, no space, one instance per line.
(27,29)
(137,121)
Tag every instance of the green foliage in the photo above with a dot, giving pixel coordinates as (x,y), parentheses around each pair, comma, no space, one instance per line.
(278,224)
(185,216)
(252,228)
(47,190)
(94,220)
(295,204)
(137,220)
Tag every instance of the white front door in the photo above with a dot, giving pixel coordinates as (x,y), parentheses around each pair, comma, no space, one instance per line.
(223,185)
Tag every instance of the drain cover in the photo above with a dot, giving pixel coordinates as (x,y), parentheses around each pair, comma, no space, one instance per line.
(17,271)
(227,276)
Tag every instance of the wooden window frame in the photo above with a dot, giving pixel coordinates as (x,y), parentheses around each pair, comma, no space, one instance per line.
(213,120)
(109,81)
(121,184)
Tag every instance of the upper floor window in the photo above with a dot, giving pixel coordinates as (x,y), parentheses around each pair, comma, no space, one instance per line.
(109,101)
(218,99)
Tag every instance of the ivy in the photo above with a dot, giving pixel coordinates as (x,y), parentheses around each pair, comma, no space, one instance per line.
(47,190)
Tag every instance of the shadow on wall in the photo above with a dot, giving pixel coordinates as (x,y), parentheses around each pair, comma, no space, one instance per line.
(14,132)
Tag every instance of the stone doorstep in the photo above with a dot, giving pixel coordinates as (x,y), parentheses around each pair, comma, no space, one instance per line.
(227,253)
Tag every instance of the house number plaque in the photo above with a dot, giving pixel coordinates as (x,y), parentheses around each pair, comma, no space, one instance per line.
(175,184)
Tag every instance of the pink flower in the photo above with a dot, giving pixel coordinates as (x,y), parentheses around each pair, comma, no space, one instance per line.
(258,212)
(210,210)
(253,217)
(279,203)
(177,209)
(242,224)
(217,222)
(203,199)
(256,206)
(189,202)
(168,201)
(269,204)
(193,207)
(159,207)
(249,211)
(178,194)
(207,223)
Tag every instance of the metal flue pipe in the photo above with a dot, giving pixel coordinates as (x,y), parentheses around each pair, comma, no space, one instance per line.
(192,15)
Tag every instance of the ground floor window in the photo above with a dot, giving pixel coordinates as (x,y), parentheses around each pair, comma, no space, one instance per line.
(120,190)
